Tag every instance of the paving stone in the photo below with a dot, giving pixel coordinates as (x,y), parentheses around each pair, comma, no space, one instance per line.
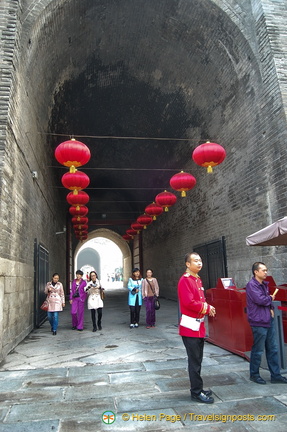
(127,376)
(33,426)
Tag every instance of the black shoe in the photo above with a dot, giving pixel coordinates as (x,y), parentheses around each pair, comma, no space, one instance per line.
(74,328)
(54,333)
(207,392)
(100,327)
(280,380)
(202,397)
(80,329)
(258,380)
(94,329)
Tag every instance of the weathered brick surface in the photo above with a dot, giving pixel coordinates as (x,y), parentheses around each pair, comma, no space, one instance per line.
(225,59)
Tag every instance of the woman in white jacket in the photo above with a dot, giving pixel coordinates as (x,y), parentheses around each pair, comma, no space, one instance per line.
(95,302)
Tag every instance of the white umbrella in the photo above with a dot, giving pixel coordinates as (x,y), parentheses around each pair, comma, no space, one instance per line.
(272,235)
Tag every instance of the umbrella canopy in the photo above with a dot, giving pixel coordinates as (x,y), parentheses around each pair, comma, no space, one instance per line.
(272,235)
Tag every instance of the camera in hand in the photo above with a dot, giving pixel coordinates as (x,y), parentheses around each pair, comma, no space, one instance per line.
(76,294)
(134,290)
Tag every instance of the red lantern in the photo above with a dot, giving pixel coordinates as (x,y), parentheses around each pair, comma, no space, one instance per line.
(209,155)
(81,232)
(81,227)
(137,227)
(79,220)
(83,210)
(153,210)
(182,182)
(126,237)
(144,220)
(165,199)
(131,232)
(72,154)
(75,181)
(82,237)
(78,200)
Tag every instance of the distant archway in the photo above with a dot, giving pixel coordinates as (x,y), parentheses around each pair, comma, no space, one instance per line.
(89,257)
(118,240)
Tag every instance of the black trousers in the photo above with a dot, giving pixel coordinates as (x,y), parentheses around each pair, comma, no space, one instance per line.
(93,313)
(194,349)
(135,312)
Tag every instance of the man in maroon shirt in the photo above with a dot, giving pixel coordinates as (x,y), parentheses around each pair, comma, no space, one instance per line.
(193,308)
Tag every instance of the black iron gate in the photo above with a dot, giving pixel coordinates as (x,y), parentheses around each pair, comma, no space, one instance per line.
(41,277)
(213,256)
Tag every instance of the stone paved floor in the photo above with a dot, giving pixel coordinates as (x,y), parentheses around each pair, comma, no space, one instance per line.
(66,382)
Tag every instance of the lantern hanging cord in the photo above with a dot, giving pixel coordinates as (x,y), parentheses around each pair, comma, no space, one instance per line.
(113,137)
(83,168)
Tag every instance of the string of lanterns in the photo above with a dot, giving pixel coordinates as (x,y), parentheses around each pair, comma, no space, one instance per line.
(207,155)
(73,154)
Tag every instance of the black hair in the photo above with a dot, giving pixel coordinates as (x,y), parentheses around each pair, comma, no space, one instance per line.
(256,265)
(79,272)
(188,255)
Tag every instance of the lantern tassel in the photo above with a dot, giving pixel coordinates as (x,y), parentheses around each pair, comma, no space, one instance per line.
(183,193)
(73,169)
(209,169)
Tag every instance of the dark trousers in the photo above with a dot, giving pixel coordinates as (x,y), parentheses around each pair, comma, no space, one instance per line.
(264,337)
(150,311)
(194,349)
(135,312)
(93,313)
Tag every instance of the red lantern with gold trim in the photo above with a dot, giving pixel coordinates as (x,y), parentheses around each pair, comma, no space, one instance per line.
(209,155)
(182,182)
(126,237)
(153,210)
(81,227)
(144,220)
(75,181)
(78,200)
(165,199)
(80,220)
(137,227)
(82,237)
(72,153)
(81,232)
(83,210)
(131,232)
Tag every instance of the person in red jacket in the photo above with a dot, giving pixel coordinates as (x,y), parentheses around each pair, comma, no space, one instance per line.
(193,308)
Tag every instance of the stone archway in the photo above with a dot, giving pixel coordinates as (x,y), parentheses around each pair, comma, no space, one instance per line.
(118,240)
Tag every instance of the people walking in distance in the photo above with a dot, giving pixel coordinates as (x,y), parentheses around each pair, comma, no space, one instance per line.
(150,290)
(77,301)
(260,314)
(95,300)
(56,301)
(135,297)
(193,308)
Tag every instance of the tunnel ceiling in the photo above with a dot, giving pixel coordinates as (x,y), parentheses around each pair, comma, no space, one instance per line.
(144,69)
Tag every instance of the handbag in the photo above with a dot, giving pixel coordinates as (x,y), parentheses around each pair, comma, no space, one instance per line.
(102,294)
(156,303)
(156,300)
(45,305)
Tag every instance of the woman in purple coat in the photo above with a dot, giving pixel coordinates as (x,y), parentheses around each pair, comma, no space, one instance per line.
(77,301)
